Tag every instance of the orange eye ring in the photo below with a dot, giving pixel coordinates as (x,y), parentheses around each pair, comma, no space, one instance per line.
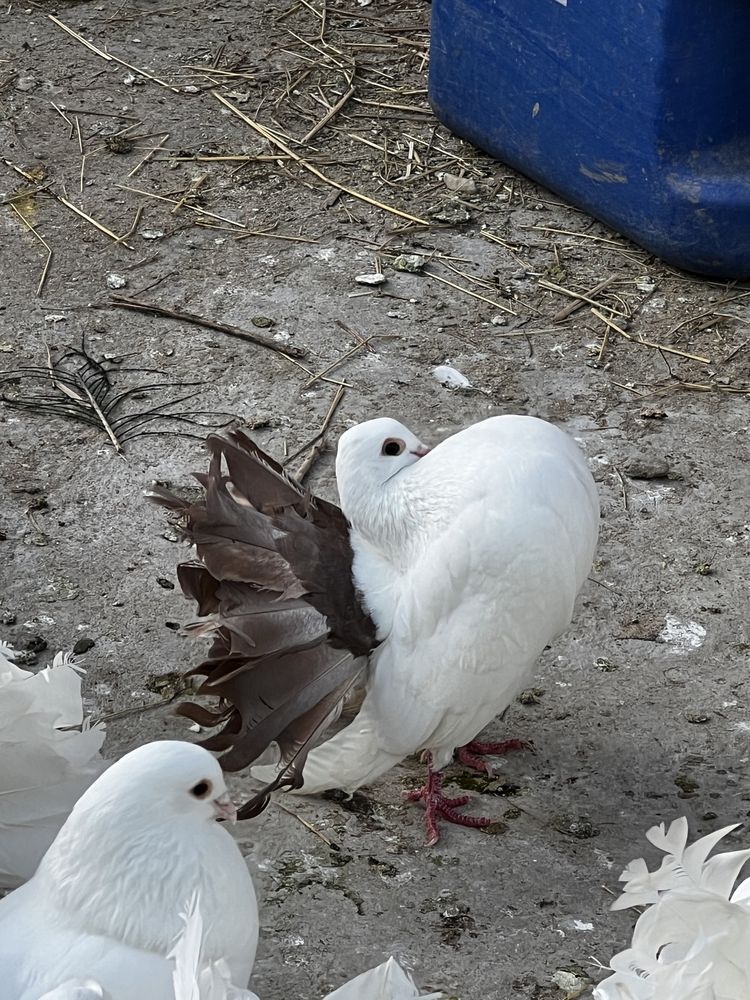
(393,447)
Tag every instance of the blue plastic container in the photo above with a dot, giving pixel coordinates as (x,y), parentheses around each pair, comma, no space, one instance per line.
(637,111)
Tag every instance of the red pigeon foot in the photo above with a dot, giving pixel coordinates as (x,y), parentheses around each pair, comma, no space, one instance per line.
(471,754)
(438,805)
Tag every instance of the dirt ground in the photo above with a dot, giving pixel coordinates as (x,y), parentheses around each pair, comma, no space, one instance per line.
(642,711)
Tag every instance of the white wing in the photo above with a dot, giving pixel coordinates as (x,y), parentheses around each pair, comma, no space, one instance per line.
(386,982)
(48,757)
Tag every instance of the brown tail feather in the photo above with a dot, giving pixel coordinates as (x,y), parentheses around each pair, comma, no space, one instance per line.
(275,571)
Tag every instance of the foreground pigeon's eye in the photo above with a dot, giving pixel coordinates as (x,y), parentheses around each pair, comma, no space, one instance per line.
(201,790)
(392,446)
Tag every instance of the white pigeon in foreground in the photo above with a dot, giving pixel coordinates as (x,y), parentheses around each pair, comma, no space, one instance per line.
(105,902)
(691,943)
(48,757)
(386,982)
(450,568)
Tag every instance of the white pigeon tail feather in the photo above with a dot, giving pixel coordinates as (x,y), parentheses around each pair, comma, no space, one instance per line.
(386,982)
(691,943)
(49,757)
(350,759)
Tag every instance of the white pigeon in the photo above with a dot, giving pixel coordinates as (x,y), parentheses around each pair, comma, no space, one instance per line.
(48,756)
(451,568)
(469,558)
(691,943)
(105,902)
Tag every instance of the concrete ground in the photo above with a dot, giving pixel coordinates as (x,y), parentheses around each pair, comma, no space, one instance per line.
(641,710)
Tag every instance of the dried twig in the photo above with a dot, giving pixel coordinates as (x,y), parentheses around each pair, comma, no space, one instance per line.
(581,300)
(327,117)
(94,222)
(108,55)
(649,343)
(318,442)
(321,836)
(45,244)
(334,364)
(468,291)
(274,140)
(174,201)
(581,297)
(121,301)
(139,166)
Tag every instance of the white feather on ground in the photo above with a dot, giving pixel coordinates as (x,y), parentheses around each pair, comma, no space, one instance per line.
(386,982)
(691,943)
(105,902)
(48,757)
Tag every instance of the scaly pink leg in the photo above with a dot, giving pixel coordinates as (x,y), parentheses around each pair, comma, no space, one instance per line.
(436,805)
(471,754)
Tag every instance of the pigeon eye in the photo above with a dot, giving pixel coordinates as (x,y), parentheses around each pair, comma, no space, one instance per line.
(392,447)
(201,790)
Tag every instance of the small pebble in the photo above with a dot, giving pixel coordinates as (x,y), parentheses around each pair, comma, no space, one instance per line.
(464,185)
(116,281)
(410,262)
(152,234)
(371,279)
(647,467)
(697,718)
(163,582)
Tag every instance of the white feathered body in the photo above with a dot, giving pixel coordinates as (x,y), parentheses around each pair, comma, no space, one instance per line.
(470,565)
(113,915)
(46,760)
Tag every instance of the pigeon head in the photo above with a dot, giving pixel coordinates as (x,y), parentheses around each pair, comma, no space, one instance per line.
(371,464)
(146,830)
(371,454)
(168,778)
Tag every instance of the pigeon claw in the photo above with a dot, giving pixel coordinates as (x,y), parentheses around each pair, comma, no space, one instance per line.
(471,754)
(437,806)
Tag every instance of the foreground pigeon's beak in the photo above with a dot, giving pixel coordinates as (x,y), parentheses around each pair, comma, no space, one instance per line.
(421,451)
(225,809)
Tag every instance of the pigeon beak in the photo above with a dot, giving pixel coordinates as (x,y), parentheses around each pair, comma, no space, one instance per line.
(225,809)
(421,451)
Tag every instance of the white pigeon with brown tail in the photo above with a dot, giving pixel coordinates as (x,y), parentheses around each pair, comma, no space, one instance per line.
(450,568)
